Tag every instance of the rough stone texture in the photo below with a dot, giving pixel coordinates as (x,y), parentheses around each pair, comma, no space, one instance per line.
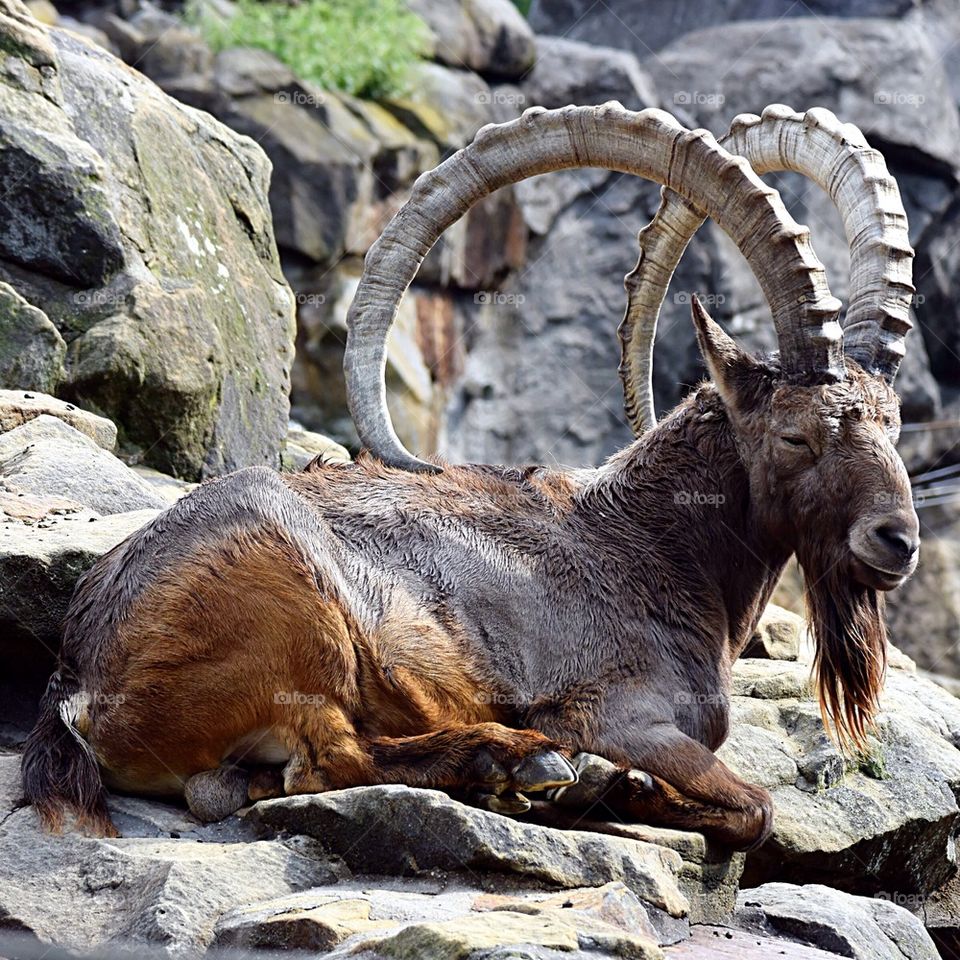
(878,823)
(47,456)
(778,635)
(40,562)
(860,927)
(489,36)
(567,71)
(31,348)
(305,921)
(140,228)
(937,272)
(400,830)
(17,407)
(80,893)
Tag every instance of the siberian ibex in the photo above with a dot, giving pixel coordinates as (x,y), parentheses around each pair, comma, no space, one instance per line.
(471,626)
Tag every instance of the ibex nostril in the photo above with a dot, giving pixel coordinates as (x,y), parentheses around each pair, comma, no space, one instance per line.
(898,539)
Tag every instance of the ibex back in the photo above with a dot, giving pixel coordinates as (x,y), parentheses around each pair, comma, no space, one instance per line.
(474,627)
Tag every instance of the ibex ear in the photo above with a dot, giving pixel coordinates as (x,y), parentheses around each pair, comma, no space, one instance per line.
(731,369)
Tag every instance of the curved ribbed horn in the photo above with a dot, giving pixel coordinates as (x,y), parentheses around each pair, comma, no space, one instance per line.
(837,157)
(650,144)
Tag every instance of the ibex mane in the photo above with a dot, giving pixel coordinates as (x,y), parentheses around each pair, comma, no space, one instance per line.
(474,627)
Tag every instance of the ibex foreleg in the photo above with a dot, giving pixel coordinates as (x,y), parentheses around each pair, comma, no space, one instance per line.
(675,782)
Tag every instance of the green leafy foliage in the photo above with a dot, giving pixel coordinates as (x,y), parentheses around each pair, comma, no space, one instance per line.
(364,47)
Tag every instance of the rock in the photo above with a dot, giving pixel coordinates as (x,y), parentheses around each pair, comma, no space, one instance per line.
(567,71)
(300,921)
(845,925)
(47,456)
(462,938)
(81,893)
(170,489)
(778,635)
(159,44)
(893,810)
(489,36)
(656,24)
(304,446)
(540,382)
(18,407)
(936,273)
(924,614)
(31,348)
(152,253)
(444,105)
(823,62)
(39,567)
(427,331)
(397,830)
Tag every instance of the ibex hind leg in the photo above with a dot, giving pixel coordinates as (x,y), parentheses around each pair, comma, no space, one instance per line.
(488,758)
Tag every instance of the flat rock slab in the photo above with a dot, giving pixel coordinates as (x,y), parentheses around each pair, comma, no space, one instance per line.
(17,407)
(399,830)
(722,943)
(47,456)
(863,928)
(41,562)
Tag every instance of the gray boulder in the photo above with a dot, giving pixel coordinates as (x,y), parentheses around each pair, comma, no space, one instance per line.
(18,407)
(140,227)
(567,71)
(646,26)
(47,456)
(827,63)
(31,348)
(41,560)
(882,822)
(81,893)
(863,928)
(489,36)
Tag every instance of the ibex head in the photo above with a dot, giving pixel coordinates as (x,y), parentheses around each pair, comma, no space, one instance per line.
(815,425)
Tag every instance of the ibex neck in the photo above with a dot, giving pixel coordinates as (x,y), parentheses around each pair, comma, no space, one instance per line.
(687,536)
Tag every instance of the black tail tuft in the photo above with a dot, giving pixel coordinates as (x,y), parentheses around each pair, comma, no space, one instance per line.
(59,770)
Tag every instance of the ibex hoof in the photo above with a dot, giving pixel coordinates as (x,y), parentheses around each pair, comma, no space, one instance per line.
(508,803)
(215,794)
(594,777)
(543,771)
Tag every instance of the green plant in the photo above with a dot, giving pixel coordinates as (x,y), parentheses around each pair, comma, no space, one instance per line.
(364,47)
